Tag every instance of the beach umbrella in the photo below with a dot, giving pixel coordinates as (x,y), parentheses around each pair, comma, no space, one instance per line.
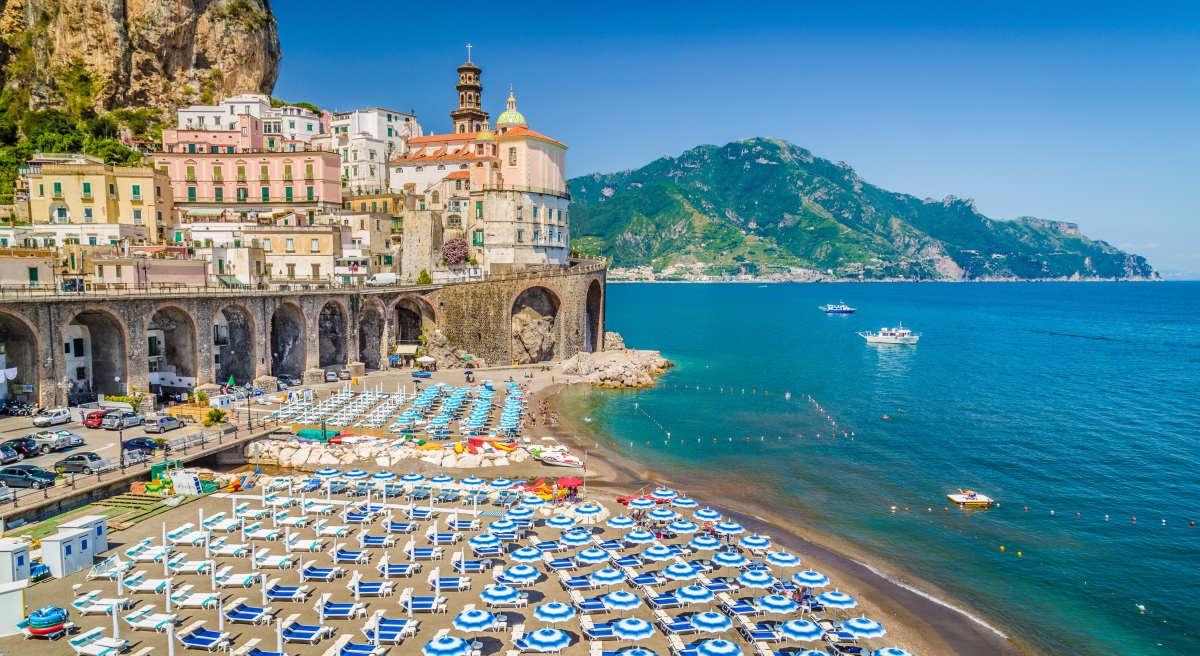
(891,651)
(632,629)
(500,484)
(547,640)
(587,510)
(683,526)
(756,579)
(704,543)
(607,576)
(522,574)
(836,599)
(637,651)
(755,542)
(442,479)
(684,503)
(471,621)
(569,481)
(592,556)
(412,478)
(526,555)
(499,594)
(639,537)
(774,603)
(328,472)
(575,538)
(783,559)
(658,552)
(707,515)
(472,481)
(810,578)
(355,474)
(679,572)
(383,476)
(170,639)
(666,494)
(718,648)
(621,522)
(729,559)
(483,540)
(621,600)
(694,594)
(532,501)
(711,622)
(446,646)
(861,627)
(662,515)
(801,630)
(561,522)
(519,512)
(279,635)
(501,525)
(642,503)
(729,527)
(554,612)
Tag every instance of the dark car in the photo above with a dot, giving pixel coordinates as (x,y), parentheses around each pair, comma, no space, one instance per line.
(8,455)
(27,476)
(24,448)
(95,418)
(145,444)
(79,463)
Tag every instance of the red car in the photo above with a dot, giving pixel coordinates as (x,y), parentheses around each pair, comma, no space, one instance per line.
(94,419)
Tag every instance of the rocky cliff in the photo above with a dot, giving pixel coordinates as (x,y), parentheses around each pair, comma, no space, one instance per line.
(102,55)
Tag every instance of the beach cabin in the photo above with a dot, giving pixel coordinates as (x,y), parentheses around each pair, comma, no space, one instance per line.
(14,560)
(98,525)
(68,551)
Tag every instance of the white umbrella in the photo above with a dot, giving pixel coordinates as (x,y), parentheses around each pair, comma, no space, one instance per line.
(116,624)
(212,573)
(120,581)
(357,578)
(425,359)
(170,639)
(221,614)
(168,597)
(263,579)
(278,635)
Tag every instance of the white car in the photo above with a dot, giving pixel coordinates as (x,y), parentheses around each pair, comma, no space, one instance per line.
(53,417)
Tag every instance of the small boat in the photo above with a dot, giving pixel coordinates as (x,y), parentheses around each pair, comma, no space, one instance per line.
(422,374)
(897,335)
(560,459)
(970,499)
(840,308)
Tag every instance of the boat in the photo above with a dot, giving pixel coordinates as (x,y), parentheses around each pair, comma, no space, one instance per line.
(970,499)
(560,459)
(897,335)
(840,308)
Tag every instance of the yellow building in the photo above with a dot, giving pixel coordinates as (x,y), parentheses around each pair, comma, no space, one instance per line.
(89,202)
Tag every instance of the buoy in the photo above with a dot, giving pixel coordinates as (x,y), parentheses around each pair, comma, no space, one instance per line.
(1026,508)
(1018,554)
(1051,512)
(1106,518)
(905,508)
(1135,520)
(1076,514)
(1001,547)
(893,508)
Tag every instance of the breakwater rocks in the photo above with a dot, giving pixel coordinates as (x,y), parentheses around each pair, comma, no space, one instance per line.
(311,456)
(617,369)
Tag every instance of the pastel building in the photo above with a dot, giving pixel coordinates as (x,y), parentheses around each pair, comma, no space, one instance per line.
(283,126)
(366,139)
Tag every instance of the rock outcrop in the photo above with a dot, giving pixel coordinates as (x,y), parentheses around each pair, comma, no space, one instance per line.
(440,348)
(613,341)
(533,335)
(617,369)
(105,54)
(299,455)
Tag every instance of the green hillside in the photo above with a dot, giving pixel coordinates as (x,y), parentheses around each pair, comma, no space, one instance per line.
(764,205)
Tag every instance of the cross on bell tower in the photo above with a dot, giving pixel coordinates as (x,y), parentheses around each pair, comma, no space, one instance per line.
(469,117)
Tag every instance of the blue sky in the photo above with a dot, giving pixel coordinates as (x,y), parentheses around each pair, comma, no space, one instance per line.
(1082,112)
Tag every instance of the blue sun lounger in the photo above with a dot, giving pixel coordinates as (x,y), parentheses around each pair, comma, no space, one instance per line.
(462,524)
(470,566)
(314,573)
(627,561)
(342,611)
(297,632)
(548,545)
(402,569)
(602,631)
(204,639)
(359,518)
(418,513)
(587,605)
(376,541)
(559,564)
(354,649)
(255,651)
(425,553)
(576,582)
(676,625)
(345,555)
(760,632)
(391,631)
(664,601)
(288,593)
(718,585)
(611,545)
(492,550)
(374,588)
(401,527)
(452,583)
(740,607)
(249,614)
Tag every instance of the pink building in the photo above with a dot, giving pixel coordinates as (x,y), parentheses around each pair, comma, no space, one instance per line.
(248,138)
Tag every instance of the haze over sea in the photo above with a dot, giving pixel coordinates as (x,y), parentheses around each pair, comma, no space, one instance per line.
(1071,398)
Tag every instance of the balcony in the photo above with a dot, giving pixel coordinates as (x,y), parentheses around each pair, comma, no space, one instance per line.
(241,177)
(220,340)
(87,195)
(137,198)
(190,177)
(287,177)
(57,194)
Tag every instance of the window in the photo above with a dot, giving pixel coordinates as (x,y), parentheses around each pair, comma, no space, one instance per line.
(316,271)
(219,194)
(87,215)
(266,245)
(191,194)
(58,190)
(33,276)
(262,173)
(266,193)
(229,149)
(310,194)
(118,268)
(520,236)
(241,174)
(434,198)
(477,238)
(385,206)
(512,156)
(315,246)
(217,176)
(291,271)
(242,194)
(137,192)
(292,124)
(289,245)
(308,171)
(309,127)
(99,274)
(458,185)
(537,236)
(270,143)
(137,217)
(479,209)
(362,206)
(41,190)
(287,194)
(535,209)
(287,171)
(190,176)
(87,190)
(178,237)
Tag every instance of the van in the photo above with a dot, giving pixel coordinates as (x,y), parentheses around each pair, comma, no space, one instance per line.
(382,279)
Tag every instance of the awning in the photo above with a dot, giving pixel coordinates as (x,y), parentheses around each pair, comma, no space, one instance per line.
(231,281)
(205,212)
(407,349)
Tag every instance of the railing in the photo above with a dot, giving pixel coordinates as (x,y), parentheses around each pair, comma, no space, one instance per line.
(560,193)
(316,198)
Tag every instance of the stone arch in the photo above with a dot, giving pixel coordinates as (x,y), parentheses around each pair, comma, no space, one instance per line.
(413,313)
(289,340)
(19,338)
(370,332)
(535,330)
(594,318)
(99,360)
(332,334)
(235,346)
(171,348)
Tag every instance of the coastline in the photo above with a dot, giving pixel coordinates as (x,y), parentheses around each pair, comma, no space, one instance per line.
(927,620)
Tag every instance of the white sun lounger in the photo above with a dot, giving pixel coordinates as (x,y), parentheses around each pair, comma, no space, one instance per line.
(139,583)
(95,643)
(145,618)
(185,598)
(93,603)
(325,529)
(265,560)
(227,578)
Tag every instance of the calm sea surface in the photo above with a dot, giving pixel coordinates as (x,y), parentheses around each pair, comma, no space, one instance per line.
(1055,399)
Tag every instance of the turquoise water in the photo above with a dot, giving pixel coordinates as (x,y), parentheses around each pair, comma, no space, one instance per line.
(1071,398)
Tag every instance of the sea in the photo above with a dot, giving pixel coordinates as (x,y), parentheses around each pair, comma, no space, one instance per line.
(1075,405)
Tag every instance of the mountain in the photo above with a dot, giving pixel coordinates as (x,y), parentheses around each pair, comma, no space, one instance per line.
(765,205)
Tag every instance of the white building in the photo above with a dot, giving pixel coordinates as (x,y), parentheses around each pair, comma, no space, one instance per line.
(366,139)
(287,123)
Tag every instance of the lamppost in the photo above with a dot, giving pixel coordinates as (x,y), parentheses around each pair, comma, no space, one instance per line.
(144,267)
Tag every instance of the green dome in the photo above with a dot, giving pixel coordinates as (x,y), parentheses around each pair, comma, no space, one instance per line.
(485,135)
(511,117)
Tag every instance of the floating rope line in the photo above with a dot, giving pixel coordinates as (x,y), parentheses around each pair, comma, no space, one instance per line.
(639,408)
(836,428)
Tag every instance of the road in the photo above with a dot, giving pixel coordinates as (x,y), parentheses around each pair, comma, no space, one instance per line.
(105,443)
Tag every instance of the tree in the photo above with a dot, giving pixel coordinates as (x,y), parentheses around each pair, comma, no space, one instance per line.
(423,278)
(455,251)
(214,417)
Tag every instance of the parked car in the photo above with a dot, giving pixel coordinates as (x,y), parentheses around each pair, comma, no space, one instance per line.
(27,476)
(47,441)
(289,380)
(343,374)
(123,419)
(162,424)
(25,448)
(95,418)
(79,463)
(53,417)
(331,376)
(144,444)
(8,454)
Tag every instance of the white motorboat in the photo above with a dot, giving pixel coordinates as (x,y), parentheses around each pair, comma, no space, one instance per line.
(560,459)
(897,335)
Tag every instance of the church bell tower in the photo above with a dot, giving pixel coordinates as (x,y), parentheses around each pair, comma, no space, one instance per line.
(469,117)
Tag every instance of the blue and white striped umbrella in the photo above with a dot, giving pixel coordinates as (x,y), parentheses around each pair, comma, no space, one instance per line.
(412,478)
(501,525)
(801,630)
(561,522)
(658,553)
(593,556)
(554,612)
(442,479)
(774,603)
(471,621)
(888,651)
(383,476)
(446,646)
(639,537)
(755,542)
(810,578)
(679,572)
(704,543)
(783,559)
(525,555)
(607,576)
(632,629)
(729,527)
(621,522)
(588,510)
(621,600)
(642,503)
(810,652)
(711,622)
(664,493)
(638,651)
(684,503)
(683,526)
(729,559)
(532,501)
(662,515)
(836,599)
(520,512)
(861,627)
(500,483)
(521,574)
(718,648)
(483,540)
(328,472)
(499,594)
(575,538)
(472,481)
(547,640)
(356,473)
(756,579)
(707,515)
(694,594)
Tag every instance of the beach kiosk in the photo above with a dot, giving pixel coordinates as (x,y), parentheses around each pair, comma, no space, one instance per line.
(98,525)
(68,551)
(14,560)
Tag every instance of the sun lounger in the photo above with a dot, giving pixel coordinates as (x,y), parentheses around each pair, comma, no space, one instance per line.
(701,565)
(675,644)
(181,565)
(311,546)
(227,578)
(338,487)
(343,647)
(108,568)
(451,583)
(344,555)
(367,541)
(185,598)
(656,600)
(422,604)
(469,566)
(401,527)
(266,561)
(340,611)
(315,508)
(449,496)
(95,643)
(91,603)
(422,553)
(257,532)
(145,618)
(627,561)
(463,524)
(401,569)
(245,512)
(276,592)
(146,552)
(373,588)
(575,582)
(757,632)
(418,495)
(586,605)
(139,583)
(416,514)
(444,538)
(608,545)
(720,585)
(673,625)
(241,613)
(492,550)
(324,528)
(360,490)
(314,573)
(592,631)
(548,545)
(388,631)
(738,607)
(294,631)
(234,550)
(197,637)
(285,519)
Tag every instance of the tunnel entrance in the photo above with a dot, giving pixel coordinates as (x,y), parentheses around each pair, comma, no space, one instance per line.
(594,337)
(171,351)
(370,334)
(534,318)
(288,341)
(331,331)
(18,350)
(234,352)
(413,314)
(94,348)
